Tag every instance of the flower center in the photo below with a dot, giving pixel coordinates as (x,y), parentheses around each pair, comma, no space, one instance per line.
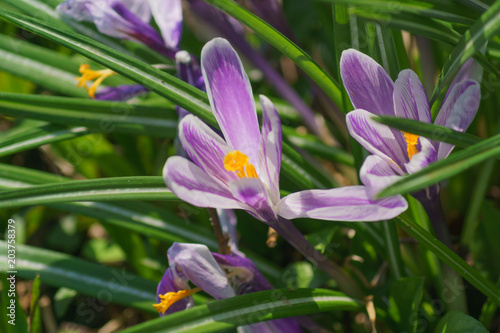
(411,144)
(238,163)
(89,74)
(170,298)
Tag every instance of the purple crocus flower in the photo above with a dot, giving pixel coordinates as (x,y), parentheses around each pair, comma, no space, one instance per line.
(128,19)
(242,171)
(397,153)
(220,276)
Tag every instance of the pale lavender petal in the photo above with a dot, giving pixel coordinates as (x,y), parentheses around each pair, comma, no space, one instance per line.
(171,282)
(231,98)
(168,17)
(199,266)
(423,158)
(140,8)
(193,185)
(367,83)
(377,138)
(252,193)
(410,100)
(458,111)
(270,148)
(471,70)
(205,147)
(350,203)
(376,174)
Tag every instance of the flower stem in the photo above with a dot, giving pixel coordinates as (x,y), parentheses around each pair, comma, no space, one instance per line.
(219,234)
(436,216)
(292,235)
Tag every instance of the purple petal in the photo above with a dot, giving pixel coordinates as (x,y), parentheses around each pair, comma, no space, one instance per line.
(471,70)
(270,147)
(231,98)
(458,111)
(140,8)
(350,203)
(171,282)
(168,17)
(376,174)
(250,280)
(205,147)
(423,158)
(193,185)
(252,193)
(287,325)
(121,93)
(377,138)
(199,266)
(410,100)
(367,83)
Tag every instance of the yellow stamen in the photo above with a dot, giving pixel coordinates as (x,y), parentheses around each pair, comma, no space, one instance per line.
(411,142)
(89,74)
(170,298)
(238,163)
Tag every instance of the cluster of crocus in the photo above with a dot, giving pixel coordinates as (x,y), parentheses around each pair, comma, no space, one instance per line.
(220,276)
(242,171)
(396,153)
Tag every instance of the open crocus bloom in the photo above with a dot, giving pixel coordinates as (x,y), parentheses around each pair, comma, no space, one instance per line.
(242,172)
(220,276)
(396,153)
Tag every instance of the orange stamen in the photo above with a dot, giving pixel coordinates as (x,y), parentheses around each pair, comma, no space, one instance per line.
(170,298)
(411,142)
(89,74)
(238,163)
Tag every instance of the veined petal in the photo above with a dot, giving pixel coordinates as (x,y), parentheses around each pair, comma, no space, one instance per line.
(376,174)
(140,8)
(249,279)
(193,185)
(205,147)
(270,148)
(350,203)
(471,70)
(367,83)
(458,111)
(377,138)
(199,266)
(231,98)
(168,17)
(171,282)
(410,99)
(423,158)
(252,193)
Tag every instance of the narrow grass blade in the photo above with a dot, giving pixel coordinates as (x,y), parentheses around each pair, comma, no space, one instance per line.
(62,270)
(106,189)
(449,257)
(223,315)
(38,136)
(446,168)
(430,131)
